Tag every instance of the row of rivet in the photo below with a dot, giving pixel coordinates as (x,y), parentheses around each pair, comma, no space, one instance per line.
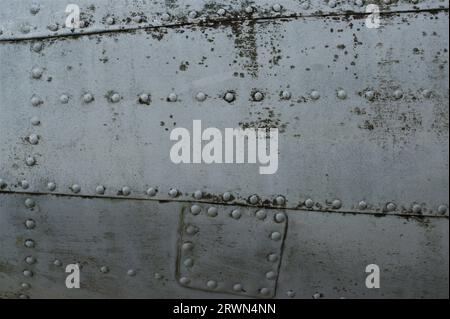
(166,17)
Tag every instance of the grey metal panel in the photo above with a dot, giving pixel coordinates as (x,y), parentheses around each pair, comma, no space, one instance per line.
(352,150)
(22,19)
(324,254)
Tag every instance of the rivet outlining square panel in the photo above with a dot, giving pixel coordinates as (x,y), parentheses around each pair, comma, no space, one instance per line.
(230,249)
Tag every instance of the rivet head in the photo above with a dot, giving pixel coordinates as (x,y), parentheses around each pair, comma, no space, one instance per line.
(258,96)
(416,209)
(341,94)
(100,189)
(25,28)
(173,192)
(34,9)
(189,262)
(88,97)
(253,199)
(280,200)
(75,188)
(211,284)
(23,296)
(187,246)
(144,98)
(64,99)
(29,243)
(104,269)
(30,260)
(271,275)
(126,191)
(442,209)
(332,3)
(272,257)
(195,209)
(198,194)
(261,214)
(200,96)
(35,121)
(30,161)
(212,212)
(309,203)
(390,207)
(236,214)
(426,93)
(30,203)
(28,273)
(226,196)
(109,20)
(37,47)
(369,95)
(398,94)
(193,14)
(184,280)
(24,184)
(151,191)
(229,97)
(362,205)
(277,7)
(57,263)
(53,27)
(172,97)
(336,204)
(33,139)
(165,17)
(2,184)
(25,285)
(157,275)
(275,236)
(280,217)
(249,9)
(237,287)
(290,293)
(115,97)
(264,291)
(285,95)
(36,101)
(191,230)
(315,95)
(137,19)
(131,272)
(30,224)
(221,12)
(317,295)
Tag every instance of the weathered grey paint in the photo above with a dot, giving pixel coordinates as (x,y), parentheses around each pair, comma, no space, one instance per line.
(382,150)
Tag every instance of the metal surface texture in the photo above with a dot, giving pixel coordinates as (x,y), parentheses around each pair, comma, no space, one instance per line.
(85,173)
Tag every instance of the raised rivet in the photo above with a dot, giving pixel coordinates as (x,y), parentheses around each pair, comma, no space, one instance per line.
(332,3)
(172,97)
(426,93)
(398,94)
(236,214)
(57,263)
(30,203)
(391,207)
(75,188)
(442,209)
(192,14)
(173,192)
(280,217)
(305,5)
(30,224)
(212,212)
(369,95)
(280,200)
(285,95)
(157,276)
(317,295)
(28,273)
(249,9)
(35,121)
(165,17)
(24,184)
(200,96)
(131,272)
(115,97)
(2,183)
(23,296)
(100,189)
(264,291)
(137,19)
(151,191)
(226,196)
(34,9)
(309,203)
(237,287)
(359,3)
(36,101)
(53,27)
(261,214)
(221,12)
(195,210)
(191,230)
(417,209)
(272,257)
(341,94)
(211,284)
(362,205)
(271,275)
(25,28)
(229,97)
(126,191)
(144,98)
(198,194)
(184,280)
(88,97)
(64,99)
(37,47)
(275,236)
(276,7)
(25,285)
(109,20)
(29,243)
(315,95)
(104,269)
(336,204)
(188,262)
(30,161)
(187,246)
(253,199)
(258,96)
(30,260)
(33,139)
